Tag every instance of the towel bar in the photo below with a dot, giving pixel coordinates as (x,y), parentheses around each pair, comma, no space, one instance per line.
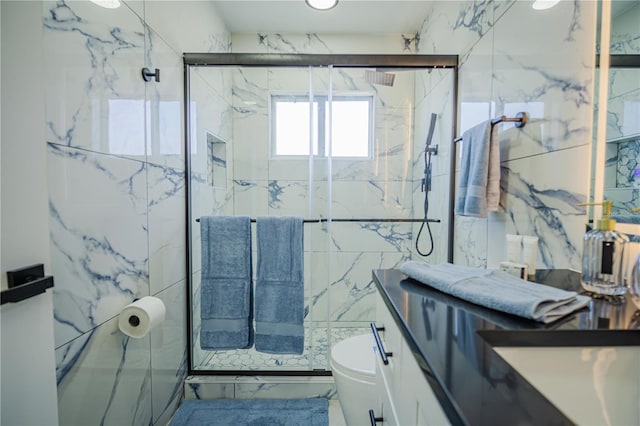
(324,220)
(520,119)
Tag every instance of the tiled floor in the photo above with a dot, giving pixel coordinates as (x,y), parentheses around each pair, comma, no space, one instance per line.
(335,413)
(314,357)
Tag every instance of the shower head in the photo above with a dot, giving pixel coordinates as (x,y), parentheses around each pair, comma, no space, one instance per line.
(379,77)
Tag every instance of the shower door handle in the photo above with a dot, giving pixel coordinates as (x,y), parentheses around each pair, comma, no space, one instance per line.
(374,419)
(383,354)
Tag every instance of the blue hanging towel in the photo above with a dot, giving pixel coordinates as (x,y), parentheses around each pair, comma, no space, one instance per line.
(226,288)
(280,285)
(478,190)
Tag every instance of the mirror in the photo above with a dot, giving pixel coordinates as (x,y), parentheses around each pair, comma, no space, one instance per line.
(621,178)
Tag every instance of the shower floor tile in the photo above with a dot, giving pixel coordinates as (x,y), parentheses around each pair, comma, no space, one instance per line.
(313,358)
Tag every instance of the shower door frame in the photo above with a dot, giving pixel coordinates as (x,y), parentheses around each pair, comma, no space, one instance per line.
(290,60)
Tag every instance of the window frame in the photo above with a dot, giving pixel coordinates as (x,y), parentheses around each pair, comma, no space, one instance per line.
(322,101)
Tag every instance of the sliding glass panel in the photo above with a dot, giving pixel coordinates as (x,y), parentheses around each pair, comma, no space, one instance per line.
(238,118)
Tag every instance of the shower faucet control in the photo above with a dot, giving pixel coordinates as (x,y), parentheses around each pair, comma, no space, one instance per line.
(432,151)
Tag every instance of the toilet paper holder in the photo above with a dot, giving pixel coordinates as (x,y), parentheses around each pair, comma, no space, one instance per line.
(138,318)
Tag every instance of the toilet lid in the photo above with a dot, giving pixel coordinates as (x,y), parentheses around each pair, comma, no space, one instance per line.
(356,354)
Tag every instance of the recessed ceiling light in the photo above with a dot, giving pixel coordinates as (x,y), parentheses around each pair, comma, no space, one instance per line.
(544,4)
(109,4)
(322,4)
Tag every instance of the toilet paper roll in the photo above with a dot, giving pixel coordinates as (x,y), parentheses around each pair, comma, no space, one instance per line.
(139,317)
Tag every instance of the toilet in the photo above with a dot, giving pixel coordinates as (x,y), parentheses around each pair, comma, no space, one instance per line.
(353,365)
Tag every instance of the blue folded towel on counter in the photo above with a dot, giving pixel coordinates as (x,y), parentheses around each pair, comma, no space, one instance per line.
(226,288)
(280,285)
(497,290)
(478,189)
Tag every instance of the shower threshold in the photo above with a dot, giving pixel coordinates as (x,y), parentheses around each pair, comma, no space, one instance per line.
(313,358)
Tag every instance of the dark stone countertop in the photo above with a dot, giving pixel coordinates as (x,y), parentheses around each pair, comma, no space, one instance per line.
(452,341)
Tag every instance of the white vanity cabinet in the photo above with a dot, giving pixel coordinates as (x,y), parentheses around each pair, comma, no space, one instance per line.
(405,396)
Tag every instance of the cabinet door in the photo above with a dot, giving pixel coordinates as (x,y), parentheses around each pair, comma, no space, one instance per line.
(421,399)
(391,340)
(385,409)
(410,395)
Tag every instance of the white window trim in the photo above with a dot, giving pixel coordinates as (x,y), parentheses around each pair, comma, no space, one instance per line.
(304,97)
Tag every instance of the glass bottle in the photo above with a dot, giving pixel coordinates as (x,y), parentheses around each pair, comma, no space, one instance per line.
(603,260)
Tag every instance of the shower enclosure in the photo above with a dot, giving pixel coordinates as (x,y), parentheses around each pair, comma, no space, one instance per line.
(336,139)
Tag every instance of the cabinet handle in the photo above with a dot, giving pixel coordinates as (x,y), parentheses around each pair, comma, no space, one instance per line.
(383,353)
(374,419)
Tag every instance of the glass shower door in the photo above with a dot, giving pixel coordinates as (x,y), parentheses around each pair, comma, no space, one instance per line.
(342,147)
(254,153)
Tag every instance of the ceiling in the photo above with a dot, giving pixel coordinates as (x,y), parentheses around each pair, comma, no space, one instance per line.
(348,17)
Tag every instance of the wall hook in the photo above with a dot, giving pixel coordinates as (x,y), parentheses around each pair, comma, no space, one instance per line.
(147,75)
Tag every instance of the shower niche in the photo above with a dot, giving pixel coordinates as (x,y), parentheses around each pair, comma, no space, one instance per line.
(359,201)
(216,161)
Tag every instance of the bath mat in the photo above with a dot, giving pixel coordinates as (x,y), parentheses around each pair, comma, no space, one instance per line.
(253,412)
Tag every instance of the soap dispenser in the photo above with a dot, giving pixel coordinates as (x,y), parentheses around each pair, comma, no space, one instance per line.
(603,256)
(634,280)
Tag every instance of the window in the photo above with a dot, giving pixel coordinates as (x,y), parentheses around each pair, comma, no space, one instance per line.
(352,125)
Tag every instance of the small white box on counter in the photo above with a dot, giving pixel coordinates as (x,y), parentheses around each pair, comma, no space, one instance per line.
(516,269)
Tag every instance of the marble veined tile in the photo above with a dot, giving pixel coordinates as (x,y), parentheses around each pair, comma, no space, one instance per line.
(399,95)
(297,168)
(198,356)
(251,143)
(251,198)
(104,377)
(169,354)
(210,115)
(191,26)
(137,6)
(166,192)
(455,26)
(555,86)
(371,198)
(475,80)
(95,96)
(470,241)
(385,237)
(164,104)
(284,80)
(251,86)
(295,389)
(200,387)
(500,7)
(294,43)
(99,251)
(324,43)
(545,204)
(249,43)
(623,107)
(438,101)
(625,38)
(352,293)
(288,198)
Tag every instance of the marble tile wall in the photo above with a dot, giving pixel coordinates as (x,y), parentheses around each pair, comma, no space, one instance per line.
(508,64)
(623,114)
(117,194)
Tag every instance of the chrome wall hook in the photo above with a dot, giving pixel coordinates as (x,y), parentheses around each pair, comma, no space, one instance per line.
(147,75)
